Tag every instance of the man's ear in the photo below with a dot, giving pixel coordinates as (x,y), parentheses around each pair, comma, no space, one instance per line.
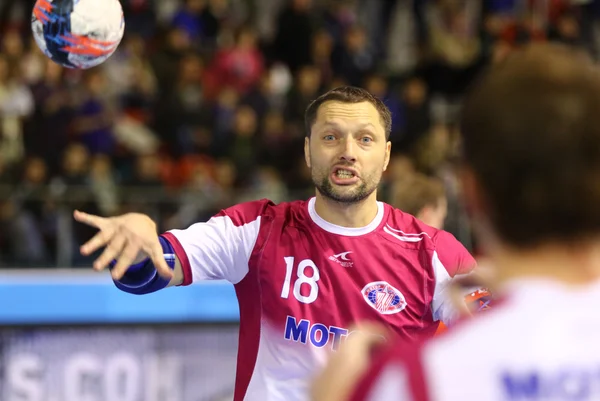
(388,152)
(424,213)
(307,151)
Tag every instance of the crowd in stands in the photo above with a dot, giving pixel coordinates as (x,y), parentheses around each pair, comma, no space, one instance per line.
(202,104)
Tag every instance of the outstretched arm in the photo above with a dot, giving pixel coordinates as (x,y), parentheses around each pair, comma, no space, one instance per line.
(143,261)
(138,258)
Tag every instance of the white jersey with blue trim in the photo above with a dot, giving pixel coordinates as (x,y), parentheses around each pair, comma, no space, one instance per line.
(542,342)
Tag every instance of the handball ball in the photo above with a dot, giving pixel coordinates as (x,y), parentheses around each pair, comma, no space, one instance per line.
(78,33)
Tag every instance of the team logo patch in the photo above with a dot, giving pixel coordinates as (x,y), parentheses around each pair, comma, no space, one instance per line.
(383,297)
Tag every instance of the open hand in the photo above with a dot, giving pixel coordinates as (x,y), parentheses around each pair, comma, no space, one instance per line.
(127,238)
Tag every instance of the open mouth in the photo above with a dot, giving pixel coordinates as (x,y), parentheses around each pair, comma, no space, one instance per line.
(344,176)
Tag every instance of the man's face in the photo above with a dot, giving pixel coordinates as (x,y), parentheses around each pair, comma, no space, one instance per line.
(347,151)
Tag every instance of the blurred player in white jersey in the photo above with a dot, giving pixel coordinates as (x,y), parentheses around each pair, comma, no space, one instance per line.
(531,175)
(304,271)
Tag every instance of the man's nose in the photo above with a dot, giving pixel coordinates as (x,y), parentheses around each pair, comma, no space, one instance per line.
(348,151)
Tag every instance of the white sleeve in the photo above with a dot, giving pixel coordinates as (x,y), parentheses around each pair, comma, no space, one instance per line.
(442,305)
(218,249)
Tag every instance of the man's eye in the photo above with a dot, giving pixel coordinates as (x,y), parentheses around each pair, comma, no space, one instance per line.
(329,137)
(367,139)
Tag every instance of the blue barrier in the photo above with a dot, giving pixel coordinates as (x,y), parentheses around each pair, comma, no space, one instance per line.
(83,297)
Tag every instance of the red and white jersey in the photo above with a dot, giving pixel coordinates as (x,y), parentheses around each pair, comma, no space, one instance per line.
(539,343)
(301,282)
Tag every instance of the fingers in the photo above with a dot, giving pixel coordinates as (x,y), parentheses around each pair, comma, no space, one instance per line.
(371,329)
(98,241)
(456,295)
(126,259)
(111,252)
(123,242)
(366,337)
(158,259)
(89,219)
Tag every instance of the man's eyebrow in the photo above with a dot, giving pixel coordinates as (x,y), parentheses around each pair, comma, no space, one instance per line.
(370,125)
(336,125)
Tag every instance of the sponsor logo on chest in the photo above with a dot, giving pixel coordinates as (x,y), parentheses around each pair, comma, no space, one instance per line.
(342,259)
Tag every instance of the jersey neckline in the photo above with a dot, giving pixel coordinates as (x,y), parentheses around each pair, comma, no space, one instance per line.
(347,231)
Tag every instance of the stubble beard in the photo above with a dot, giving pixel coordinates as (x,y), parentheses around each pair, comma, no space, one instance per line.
(361,191)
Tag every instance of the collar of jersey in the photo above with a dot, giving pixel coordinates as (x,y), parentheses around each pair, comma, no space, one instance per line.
(348,231)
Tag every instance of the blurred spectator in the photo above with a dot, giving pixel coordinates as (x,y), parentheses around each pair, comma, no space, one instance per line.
(566,30)
(422,197)
(165,62)
(32,222)
(188,18)
(306,87)
(71,186)
(180,114)
(75,165)
(432,150)
(226,176)
(294,31)
(353,58)
(130,78)
(47,129)
(213,17)
(339,16)
(262,97)
(238,67)
(16,103)
(12,47)
(223,117)
(265,183)
(141,17)
(322,49)
(401,169)
(94,115)
(379,86)
(195,111)
(147,172)
(32,63)
(103,184)
(455,49)
(414,115)
(277,147)
(197,199)
(243,148)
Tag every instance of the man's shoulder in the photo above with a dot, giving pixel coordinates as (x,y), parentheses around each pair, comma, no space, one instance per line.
(409,227)
(449,250)
(247,212)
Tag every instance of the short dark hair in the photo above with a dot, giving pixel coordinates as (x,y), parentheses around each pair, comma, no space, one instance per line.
(348,94)
(531,137)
